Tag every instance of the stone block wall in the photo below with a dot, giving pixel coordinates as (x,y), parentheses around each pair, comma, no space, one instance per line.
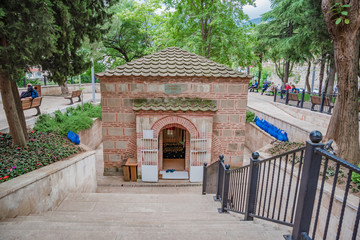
(119,119)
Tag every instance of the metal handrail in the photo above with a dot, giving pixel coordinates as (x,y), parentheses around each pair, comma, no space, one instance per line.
(336,159)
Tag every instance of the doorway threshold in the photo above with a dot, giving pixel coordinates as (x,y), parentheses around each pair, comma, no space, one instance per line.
(175,175)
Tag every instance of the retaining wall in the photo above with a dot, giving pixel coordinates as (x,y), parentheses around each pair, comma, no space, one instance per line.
(256,138)
(45,188)
(92,137)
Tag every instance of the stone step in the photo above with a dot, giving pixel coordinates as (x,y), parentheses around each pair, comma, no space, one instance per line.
(44,234)
(174,207)
(137,198)
(130,217)
(141,225)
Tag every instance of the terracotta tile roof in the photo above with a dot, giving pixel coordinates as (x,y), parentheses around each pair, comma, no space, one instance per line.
(173,62)
(175,104)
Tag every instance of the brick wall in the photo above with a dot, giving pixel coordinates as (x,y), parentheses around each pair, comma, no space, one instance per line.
(119,120)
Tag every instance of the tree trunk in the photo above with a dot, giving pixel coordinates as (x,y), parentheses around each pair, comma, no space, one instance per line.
(344,123)
(10,103)
(287,72)
(321,75)
(260,66)
(308,88)
(332,73)
(19,109)
(64,88)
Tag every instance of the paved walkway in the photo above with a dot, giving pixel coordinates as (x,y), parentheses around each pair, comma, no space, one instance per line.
(49,105)
(265,104)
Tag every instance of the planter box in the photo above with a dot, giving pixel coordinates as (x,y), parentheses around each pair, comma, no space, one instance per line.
(45,188)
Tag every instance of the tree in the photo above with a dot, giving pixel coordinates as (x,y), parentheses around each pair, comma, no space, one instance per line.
(343,22)
(75,20)
(211,28)
(29,34)
(21,24)
(130,34)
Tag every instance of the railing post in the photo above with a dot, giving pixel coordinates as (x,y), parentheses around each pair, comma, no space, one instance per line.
(24,82)
(225,189)
(302,99)
(287,96)
(218,187)
(275,94)
(322,101)
(252,185)
(308,186)
(204,179)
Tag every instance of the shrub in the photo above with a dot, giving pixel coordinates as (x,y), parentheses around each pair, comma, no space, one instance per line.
(250,116)
(74,119)
(42,149)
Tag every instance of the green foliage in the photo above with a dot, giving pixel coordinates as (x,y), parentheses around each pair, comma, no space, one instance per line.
(212,29)
(250,116)
(76,21)
(131,30)
(356,177)
(20,83)
(23,25)
(340,12)
(42,149)
(74,119)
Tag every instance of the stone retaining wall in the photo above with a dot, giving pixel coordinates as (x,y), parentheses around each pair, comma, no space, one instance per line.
(295,133)
(92,137)
(256,138)
(45,188)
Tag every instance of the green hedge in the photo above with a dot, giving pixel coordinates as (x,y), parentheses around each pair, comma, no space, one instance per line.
(74,119)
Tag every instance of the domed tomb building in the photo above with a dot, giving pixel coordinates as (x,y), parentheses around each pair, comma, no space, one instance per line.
(172,110)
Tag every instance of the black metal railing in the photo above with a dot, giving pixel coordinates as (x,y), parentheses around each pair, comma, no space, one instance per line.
(307,189)
(238,187)
(210,178)
(321,103)
(278,187)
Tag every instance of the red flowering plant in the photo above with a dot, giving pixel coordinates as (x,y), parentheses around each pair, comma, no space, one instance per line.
(42,149)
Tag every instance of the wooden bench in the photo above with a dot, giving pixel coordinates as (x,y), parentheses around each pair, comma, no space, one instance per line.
(316,100)
(74,94)
(294,97)
(28,103)
(130,171)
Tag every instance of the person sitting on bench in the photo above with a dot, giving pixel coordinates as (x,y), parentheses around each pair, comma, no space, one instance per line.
(30,93)
(254,86)
(265,86)
(283,91)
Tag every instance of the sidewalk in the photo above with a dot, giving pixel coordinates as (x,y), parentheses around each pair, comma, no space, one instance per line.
(49,105)
(297,130)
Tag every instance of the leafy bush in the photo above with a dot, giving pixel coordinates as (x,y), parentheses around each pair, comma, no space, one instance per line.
(74,119)
(355,178)
(250,116)
(42,149)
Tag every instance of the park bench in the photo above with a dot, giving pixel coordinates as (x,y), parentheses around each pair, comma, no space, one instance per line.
(252,89)
(316,100)
(74,94)
(28,103)
(294,97)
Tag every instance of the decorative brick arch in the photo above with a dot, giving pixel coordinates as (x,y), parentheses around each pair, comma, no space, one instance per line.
(174,121)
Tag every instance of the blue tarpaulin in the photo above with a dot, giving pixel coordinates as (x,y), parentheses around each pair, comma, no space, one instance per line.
(73,137)
(271,129)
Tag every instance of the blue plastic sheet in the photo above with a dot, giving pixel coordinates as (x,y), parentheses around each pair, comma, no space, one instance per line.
(271,129)
(73,137)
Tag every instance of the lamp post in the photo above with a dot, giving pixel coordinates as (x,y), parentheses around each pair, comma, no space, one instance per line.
(93,79)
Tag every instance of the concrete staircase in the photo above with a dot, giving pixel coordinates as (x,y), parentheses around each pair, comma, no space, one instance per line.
(162,214)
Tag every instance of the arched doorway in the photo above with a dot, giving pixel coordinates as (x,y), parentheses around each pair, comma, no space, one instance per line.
(174,152)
